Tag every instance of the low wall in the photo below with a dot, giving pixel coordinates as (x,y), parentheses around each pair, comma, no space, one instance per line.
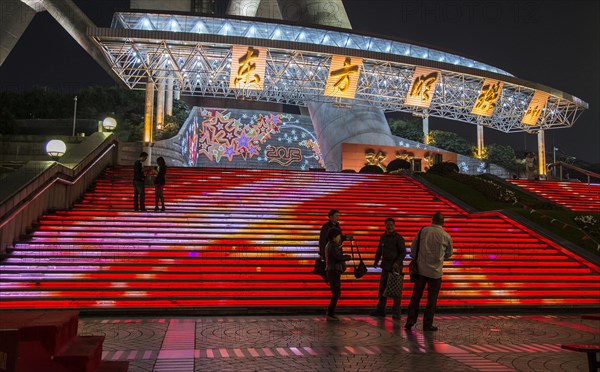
(39,186)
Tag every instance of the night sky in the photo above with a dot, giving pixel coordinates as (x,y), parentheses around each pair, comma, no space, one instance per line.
(554,43)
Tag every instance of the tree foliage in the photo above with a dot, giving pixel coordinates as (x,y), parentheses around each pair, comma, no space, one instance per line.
(126,106)
(450,141)
(501,155)
(411,128)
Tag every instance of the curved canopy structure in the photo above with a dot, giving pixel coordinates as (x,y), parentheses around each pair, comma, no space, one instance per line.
(293,64)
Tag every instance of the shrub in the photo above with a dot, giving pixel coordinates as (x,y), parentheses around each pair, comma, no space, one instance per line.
(398,164)
(444,168)
(371,169)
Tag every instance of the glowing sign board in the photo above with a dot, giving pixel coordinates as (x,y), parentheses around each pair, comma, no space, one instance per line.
(488,97)
(343,77)
(248,68)
(422,87)
(538,101)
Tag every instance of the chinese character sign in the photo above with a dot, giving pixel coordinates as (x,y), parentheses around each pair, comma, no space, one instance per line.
(248,68)
(343,77)
(422,87)
(538,102)
(488,97)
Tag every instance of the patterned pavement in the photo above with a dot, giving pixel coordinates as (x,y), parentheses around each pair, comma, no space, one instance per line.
(356,343)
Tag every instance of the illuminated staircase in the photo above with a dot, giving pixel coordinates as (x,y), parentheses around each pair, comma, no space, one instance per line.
(238,239)
(576,196)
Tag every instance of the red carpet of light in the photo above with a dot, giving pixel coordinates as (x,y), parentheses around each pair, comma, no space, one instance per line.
(576,196)
(237,239)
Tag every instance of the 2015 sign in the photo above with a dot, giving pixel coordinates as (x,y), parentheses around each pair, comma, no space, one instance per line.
(283,155)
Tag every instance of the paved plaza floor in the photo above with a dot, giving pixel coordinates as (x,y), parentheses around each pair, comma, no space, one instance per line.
(464,342)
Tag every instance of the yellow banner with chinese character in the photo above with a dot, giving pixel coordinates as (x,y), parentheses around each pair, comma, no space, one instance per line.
(247,67)
(488,97)
(343,77)
(422,87)
(538,102)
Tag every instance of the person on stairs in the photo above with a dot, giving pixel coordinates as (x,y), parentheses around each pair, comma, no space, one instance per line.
(139,185)
(159,183)
(432,246)
(391,250)
(336,264)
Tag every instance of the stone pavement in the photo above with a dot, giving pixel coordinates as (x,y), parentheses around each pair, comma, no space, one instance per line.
(356,343)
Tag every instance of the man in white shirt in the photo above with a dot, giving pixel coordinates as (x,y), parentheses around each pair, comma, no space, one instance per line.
(432,246)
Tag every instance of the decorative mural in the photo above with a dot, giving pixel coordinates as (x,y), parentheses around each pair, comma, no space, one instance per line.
(250,139)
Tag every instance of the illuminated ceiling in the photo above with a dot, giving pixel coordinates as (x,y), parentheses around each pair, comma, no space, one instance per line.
(196,53)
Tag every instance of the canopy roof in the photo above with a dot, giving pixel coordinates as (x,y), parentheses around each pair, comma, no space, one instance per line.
(195,53)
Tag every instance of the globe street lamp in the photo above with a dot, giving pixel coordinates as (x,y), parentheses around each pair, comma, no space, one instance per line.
(109,124)
(56,149)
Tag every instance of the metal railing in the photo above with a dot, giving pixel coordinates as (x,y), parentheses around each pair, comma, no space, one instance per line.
(562,165)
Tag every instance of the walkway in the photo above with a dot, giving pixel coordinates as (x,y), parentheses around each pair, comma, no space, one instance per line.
(356,343)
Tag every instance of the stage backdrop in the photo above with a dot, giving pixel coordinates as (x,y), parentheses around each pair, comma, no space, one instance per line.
(233,138)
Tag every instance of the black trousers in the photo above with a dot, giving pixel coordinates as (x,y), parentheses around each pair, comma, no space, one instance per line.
(433,290)
(139,195)
(335,282)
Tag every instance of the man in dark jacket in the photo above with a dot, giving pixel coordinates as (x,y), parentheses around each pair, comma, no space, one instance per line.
(139,186)
(391,250)
(334,218)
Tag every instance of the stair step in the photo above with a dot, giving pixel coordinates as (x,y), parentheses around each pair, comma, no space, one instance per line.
(113,366)
(81,354)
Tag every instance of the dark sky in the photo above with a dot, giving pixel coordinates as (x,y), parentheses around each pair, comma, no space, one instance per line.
(555,43)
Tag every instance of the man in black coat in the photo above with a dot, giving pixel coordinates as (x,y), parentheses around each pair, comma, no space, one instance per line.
(334,218)
(391,250)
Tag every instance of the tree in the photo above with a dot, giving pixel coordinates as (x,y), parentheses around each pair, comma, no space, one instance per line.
(410,128)
(501,155)
(450,141)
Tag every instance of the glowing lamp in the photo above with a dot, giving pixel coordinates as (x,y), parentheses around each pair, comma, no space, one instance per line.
(109,124)
(56,148)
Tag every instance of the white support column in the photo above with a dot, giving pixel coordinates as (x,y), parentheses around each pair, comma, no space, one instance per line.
(177,94)
(541,154)
(480,144)
(148,119)
(160,103)
(169,105)
(425,126)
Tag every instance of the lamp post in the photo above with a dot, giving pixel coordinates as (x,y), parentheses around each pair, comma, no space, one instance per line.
(554,148)
(74,114)
(56,149)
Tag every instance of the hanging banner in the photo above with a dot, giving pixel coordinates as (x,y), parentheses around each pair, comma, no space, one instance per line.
(422,87)
(247,67)
(538,102)
(343,77)
(488,96)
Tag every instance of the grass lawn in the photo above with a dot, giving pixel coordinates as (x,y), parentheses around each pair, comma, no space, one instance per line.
(556,220)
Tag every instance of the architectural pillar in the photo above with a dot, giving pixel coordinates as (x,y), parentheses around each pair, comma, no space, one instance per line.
(169,104)
(425,127)
(177,94)
(480,145)
(148,119)
(334,126)
(160,103)
(541,154)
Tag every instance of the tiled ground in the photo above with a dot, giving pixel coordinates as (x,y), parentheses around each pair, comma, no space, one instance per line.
(356,343)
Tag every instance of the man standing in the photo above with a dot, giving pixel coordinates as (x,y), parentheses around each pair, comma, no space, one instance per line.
(391,250)
(432,246)
(334,218)
(139,186)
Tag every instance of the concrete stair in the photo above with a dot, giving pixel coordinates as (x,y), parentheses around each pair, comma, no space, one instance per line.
(48,341)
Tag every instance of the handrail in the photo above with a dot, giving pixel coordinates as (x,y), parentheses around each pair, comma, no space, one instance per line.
(571,166)
(57,178)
